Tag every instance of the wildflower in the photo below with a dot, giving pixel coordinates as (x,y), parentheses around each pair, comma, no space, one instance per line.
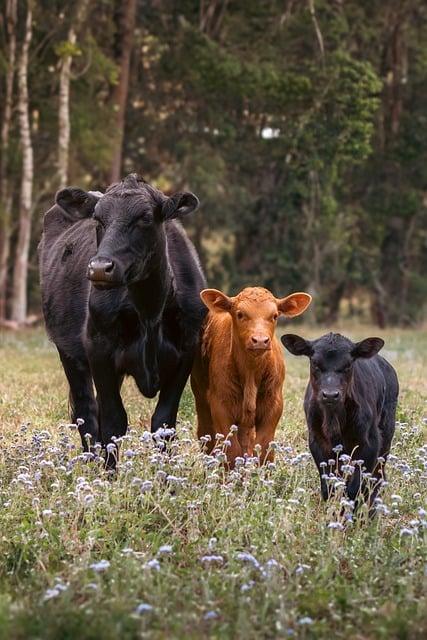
(247,586)
(301,569)
(406,532)
(143,608)
(338,448)
(165,549)
(153,564)
(244,556)
(212,560)
(305,621)
(50,594)
(211,615)
(100,566)
(336,526)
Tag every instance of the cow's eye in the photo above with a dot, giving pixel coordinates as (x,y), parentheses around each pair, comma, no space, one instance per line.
(274,317)
(240,315)
(315,367)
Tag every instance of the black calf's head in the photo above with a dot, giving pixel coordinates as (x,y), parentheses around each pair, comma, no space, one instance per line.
(331,362)
(129,221)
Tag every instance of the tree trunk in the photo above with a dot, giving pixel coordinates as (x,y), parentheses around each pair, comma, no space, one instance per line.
(5,191)
(64,94)
(122,88)
(19,295)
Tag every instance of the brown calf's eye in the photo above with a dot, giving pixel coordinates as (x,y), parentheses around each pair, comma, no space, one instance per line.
(239,315)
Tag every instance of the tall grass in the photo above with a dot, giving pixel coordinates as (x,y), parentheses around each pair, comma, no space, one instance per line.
(176,548)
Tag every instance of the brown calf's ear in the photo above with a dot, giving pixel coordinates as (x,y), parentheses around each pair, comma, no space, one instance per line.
(216,300)
(294,304)
(297,345)
(367,348)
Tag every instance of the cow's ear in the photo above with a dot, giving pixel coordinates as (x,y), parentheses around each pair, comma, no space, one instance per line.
(76,202)
(297,345)
(178,205)
(367,348)
(294,304)
(216,300)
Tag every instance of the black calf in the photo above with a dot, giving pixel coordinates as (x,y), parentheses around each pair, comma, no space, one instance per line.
(351,401)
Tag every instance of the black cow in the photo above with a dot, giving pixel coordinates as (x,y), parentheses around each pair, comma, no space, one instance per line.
(351,401)
(120,290)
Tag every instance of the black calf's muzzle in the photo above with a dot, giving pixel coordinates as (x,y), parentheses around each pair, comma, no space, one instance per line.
(103,272)
(330,396)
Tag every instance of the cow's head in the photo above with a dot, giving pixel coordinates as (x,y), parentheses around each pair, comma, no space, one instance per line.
(331,362)
(254,312)
(129,226)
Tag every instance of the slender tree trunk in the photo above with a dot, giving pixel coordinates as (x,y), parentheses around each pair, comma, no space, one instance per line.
(5,191)
(64,95)
(19,296)
(122,88)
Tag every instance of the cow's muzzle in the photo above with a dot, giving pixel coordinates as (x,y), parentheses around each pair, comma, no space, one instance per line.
(103,273)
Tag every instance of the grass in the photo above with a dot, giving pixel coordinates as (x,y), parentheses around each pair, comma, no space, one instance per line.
(176,549)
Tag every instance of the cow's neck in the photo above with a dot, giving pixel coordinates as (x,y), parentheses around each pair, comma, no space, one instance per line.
(150,295)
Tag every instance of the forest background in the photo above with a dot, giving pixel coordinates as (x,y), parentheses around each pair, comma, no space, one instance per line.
(300,124)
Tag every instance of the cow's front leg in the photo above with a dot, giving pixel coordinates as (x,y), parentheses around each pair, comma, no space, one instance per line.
(149,379)
(269,412)
(247,432)
(111,413)
(173,383)
(222,420)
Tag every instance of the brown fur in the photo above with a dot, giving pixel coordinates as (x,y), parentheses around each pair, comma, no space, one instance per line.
(234,384)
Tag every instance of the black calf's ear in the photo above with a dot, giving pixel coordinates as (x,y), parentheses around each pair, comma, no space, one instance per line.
(76,202)
(367,348)
(297,345)
(180,204)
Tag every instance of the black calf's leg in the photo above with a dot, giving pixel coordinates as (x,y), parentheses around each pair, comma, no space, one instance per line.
(170,395)
(112,415)
(82,398)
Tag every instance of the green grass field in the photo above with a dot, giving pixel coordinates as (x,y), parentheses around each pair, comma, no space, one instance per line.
(175,548)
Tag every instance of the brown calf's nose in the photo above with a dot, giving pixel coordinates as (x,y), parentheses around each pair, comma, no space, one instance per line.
(260,341)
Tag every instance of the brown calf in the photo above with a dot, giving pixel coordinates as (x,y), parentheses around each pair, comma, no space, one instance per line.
(239,370)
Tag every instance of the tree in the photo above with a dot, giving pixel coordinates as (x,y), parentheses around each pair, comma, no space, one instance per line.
(5,189)
(126,37)
(67,50)
(20,273)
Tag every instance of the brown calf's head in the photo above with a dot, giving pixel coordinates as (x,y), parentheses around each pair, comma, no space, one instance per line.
(254,313)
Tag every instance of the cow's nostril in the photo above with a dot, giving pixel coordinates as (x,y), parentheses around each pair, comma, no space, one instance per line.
(330,395)
(109,266)
(254,340)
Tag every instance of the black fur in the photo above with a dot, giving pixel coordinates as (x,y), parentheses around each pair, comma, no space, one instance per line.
(350,400)
(144,321)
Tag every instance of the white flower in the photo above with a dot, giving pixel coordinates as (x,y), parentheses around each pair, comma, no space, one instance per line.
(100,566)
(143,608)
(305,620)
(165,549)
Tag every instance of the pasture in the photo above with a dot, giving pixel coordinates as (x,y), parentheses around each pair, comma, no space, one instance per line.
(175,548)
